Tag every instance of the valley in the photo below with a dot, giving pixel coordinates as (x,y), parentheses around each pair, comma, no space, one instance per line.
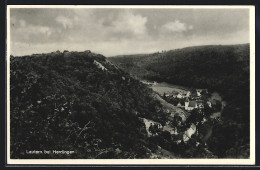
(212,67)
(190,103)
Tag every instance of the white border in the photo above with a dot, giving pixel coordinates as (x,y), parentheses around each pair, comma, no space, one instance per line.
(252,83)
(133,6)
(250,161)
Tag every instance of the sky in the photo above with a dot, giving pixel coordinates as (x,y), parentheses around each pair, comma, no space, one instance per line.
(117,31)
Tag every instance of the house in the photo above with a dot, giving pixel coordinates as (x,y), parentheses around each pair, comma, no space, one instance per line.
(179,96)
(199,91)
(200,104)
(188,133)
(209,103)
(188,94)
(179,105)
(186,104)
(190,105)
(174,94)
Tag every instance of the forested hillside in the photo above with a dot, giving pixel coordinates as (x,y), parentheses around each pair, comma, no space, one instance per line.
(78,101)
(221,68)
(203,66)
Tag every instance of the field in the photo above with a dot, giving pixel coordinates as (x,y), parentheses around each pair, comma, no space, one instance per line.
(163,87)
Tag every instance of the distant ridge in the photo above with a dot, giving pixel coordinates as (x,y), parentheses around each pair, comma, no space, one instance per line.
(196,46)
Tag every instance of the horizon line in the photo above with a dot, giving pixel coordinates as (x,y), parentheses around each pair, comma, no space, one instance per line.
(117,55)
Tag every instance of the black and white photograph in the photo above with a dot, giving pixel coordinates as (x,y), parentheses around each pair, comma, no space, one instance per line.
(131,84)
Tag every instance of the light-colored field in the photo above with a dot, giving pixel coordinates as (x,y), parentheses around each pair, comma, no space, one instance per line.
(163,87)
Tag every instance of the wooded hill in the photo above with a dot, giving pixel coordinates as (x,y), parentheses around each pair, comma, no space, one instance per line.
(203,66)
(78,101)
(221,68)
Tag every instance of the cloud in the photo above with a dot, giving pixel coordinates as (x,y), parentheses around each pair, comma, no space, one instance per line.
(43,30)
(176,26)
(26,31)
(96,25)
(128,22)
(66,23)
(123,31)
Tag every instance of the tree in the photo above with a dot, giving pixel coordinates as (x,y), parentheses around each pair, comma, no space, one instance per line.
(176,122)
(154,129)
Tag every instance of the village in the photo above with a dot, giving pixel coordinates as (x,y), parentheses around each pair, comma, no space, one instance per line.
(189,100)
(181,97)
(182,102)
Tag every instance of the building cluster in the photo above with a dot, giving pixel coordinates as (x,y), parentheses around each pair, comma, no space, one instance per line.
(189,101)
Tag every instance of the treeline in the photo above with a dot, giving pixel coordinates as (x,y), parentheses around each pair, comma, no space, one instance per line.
(224,69)
(64,101)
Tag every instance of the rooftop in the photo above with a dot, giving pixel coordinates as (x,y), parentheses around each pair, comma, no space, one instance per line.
(192,104)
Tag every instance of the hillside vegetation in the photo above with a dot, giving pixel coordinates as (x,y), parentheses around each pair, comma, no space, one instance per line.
(78,101)
(221,68)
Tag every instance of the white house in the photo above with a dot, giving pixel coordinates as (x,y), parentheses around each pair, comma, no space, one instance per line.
(179,96)
(188,94)
(189,132)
